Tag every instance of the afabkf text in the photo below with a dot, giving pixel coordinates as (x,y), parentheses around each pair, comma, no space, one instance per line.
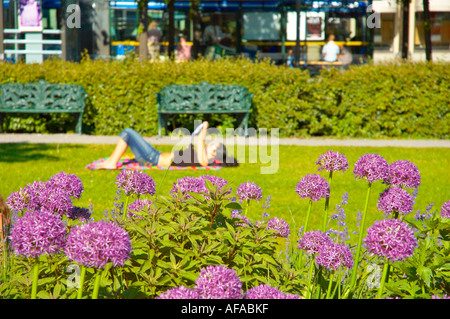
(235,308)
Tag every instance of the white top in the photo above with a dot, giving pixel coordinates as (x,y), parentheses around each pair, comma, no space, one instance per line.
(331,51)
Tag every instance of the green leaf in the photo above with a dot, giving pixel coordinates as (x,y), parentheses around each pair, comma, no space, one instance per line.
(197,196)
(192,276)
(426,274)
(44,295)
(209,186)
(233,206)
(56,290)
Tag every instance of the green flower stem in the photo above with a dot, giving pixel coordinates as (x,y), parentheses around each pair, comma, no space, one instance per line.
(383,279)
(246,208)
(311,267)
(98,275)
(339,276)
(307,216)
(80,285)
(327,204)
(330,283)
(164,177)
(304,230)
(125,209)
(361,231)
(35,278)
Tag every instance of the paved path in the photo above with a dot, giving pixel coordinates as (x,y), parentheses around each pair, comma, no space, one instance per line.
(166,140)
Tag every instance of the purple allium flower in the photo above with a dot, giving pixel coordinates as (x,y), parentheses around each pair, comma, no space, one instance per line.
(188,184)
(335,255)
(40,195)
(249,190)
(216,181)
(280,226)
(292,296)
(390,238)
(313,186)
(135,182)
(95,244)
(372,167)
(180,292)
(332,162)
(237,214)
(27,198)
(265,291)
(445,210)
(444,296)
(140,205)
(18,201)
(395,199)
(218,282)
(38,233)
(69,182)
(403,173)
(313,241)
(80,213)
(56,200)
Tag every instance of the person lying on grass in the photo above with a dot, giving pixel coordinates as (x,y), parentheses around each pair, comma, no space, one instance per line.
(213,153)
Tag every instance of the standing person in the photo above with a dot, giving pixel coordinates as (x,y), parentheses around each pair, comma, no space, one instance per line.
(331,51)
(213,153)
(154,36)
(183,50)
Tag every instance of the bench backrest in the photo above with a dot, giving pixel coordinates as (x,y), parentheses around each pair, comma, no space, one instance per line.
(42,96)
(204,97)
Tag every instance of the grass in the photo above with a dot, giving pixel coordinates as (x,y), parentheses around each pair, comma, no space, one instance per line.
(21,164)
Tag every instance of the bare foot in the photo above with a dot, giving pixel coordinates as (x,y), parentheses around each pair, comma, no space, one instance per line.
(107,165)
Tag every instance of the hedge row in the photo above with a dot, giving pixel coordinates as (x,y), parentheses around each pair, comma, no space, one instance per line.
(404,100)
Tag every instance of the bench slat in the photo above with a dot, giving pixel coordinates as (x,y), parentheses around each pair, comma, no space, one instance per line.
(42,97)
(203,98)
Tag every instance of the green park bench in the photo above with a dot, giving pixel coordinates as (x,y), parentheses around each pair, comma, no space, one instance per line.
(42,97)
(203,98)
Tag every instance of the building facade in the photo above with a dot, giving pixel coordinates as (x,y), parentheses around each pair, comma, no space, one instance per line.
(388,38)
(255,29)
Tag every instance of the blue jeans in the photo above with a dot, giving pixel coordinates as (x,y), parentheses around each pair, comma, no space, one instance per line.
(144,153)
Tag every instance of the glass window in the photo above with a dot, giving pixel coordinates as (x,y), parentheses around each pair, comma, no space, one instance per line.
(124,25)
(440,30)
(384,36)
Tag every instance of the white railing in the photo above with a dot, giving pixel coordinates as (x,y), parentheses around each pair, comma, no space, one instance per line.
(32,41)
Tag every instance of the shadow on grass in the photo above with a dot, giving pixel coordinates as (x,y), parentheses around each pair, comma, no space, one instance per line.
(18,152)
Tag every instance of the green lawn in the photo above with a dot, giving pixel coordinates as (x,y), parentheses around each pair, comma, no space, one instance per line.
(21,164)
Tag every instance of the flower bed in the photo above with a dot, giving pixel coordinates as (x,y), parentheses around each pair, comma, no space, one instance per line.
(197,241)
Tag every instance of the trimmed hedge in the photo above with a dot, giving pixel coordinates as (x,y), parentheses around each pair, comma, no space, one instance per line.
(403,100)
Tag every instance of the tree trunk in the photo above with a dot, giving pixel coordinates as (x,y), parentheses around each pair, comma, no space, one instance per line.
(427,29)
(171,11)
(405,5)
(143,29)
(195,18)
